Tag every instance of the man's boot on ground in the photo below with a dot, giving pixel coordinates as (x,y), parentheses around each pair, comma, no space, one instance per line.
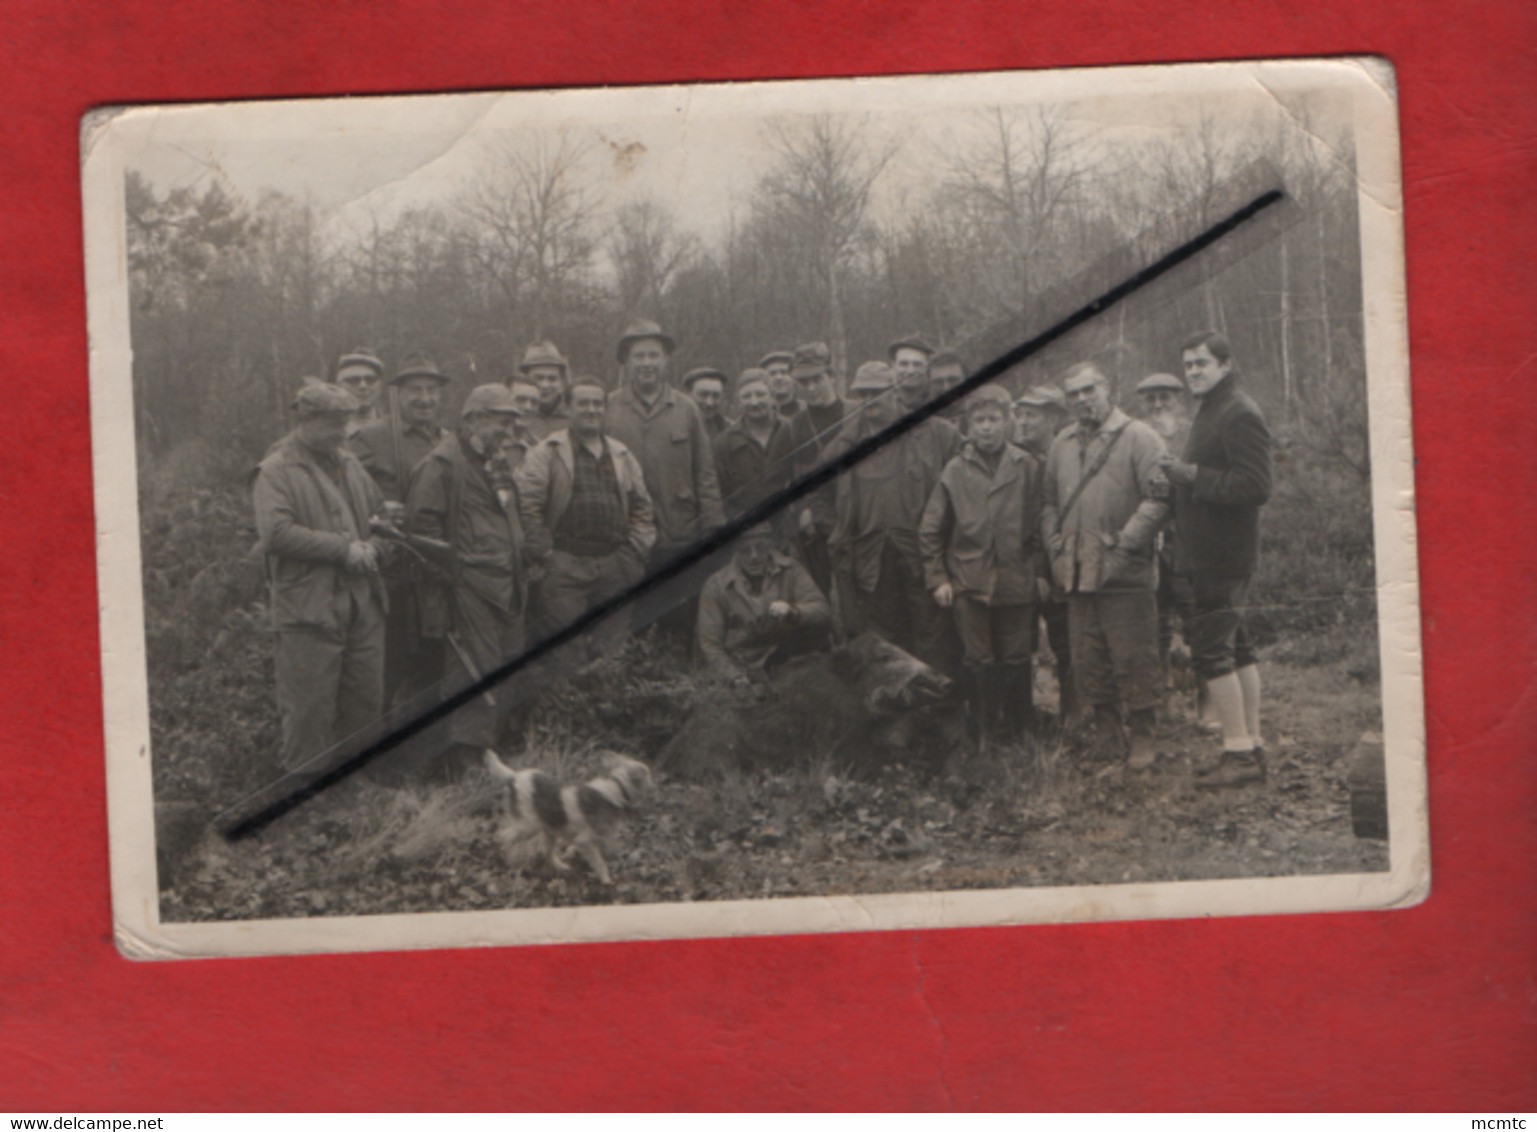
(1110,737)
(1237,768)
(1144,749)
(1068,710)
(974,684)
(1017,698)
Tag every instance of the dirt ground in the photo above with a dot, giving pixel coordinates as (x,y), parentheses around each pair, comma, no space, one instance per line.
(1049,813)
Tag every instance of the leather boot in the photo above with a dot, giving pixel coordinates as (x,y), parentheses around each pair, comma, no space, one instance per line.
(974,679)
(1110,738)
(1144,750)
(1016,692)
(1237,768)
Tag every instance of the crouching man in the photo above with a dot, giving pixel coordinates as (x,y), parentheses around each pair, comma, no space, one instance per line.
(980,543)
(759,610)
(480,611)
(313,503)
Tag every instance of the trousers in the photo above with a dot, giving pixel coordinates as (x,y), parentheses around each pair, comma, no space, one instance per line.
(1115,648)
(330,683)
(1218,638)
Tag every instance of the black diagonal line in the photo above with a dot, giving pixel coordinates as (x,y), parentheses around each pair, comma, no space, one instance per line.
(722,536)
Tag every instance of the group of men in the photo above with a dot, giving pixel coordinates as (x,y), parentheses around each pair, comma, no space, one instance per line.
(401,552)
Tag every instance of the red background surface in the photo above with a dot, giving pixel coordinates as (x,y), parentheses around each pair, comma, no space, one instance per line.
(1434,1007)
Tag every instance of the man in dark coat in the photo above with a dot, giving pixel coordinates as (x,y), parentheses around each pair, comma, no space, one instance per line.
(707,386)
(314,503)
(479,612)
(390,449)
(1220,483)
(825,414)
(1039,415)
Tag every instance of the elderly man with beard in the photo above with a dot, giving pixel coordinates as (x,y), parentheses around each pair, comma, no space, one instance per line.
(1220,483)
(546,369)
(754,457)
(479,611)
(664,429)
(981,548)
(1103,505)
(876,507)
(314,504)
(1039,415)
(758,611)
(588,517)
(361,373)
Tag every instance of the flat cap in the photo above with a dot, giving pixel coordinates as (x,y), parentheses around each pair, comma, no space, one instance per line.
(1043,397)
(418,364)
(911,342)
(700,374)
(873,376)
(639,330)
(811,360)
(946,358)
(543,353)
(1160,381)
(773,356)
(316,398)
(989,395)
(490,399)
(751,374)
(362,356)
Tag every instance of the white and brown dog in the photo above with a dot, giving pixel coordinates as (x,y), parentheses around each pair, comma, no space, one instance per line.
(568,817)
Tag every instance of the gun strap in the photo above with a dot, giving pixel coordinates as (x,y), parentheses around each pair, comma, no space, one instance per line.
(1093,470)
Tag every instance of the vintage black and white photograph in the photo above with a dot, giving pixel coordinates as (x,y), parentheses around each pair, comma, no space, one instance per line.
(767,507)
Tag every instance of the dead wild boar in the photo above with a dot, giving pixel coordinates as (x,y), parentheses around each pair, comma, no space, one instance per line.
(863,704)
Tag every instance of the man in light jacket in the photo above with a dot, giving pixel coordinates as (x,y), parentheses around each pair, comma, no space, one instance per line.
(1104,500)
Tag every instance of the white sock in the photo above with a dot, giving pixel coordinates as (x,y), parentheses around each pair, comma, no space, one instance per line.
(1226,696)
(1248,680)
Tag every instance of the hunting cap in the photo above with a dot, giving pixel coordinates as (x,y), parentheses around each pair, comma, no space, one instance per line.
(543,353)
(1160,381)
(751,375)
(773,356)
(873,376)
(1044,397)
(946,358)
(989,395)
(695,375)
(316,398)
(639,330)
(362,356)
(418,364)
(911,342)
(811,360)
(490,399)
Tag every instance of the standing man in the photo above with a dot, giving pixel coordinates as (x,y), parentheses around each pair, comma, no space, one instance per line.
(909,358)
(525,397)
(754,457)
(361,373)
(390,449)
(478,612)
(1039,415)
(980,537)
(946,371)
(876,508)
(707,387)
(313,504)
(777,364)
(664,430)
(545,368)
(1220,483)
(587,515)
(1099,520)
(825,413)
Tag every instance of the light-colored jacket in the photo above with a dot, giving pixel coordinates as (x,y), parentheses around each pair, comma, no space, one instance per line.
(670,442)
(306,520)
(980,532)
(544,492)
(1107,541)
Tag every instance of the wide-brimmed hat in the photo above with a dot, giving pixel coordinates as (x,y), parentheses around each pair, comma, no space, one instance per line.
(1043,397)
(1157,381)
(490,399)
(640,329)
(911,342)
(811,360)
(543,353)
(700,374)
(418,364)
(316,398)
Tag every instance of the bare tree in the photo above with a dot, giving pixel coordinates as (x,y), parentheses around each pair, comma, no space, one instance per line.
(648,251)
(818,195)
